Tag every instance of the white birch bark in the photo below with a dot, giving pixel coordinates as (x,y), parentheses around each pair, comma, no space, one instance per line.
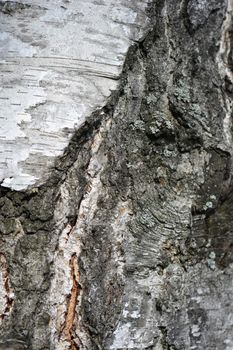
(60,60)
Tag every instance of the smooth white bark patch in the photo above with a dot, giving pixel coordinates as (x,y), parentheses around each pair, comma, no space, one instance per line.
(60,60)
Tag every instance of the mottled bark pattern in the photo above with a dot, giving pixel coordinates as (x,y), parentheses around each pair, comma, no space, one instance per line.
(129,244)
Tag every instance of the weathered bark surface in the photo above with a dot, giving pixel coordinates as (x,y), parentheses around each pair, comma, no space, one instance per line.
(128,244)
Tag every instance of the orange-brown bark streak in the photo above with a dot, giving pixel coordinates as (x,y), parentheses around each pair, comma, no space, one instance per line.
(71,311)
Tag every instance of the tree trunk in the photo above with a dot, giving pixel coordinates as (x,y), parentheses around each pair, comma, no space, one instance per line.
(116,166)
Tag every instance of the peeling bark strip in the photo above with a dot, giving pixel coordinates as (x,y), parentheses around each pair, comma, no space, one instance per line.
(72,304)
(6,288)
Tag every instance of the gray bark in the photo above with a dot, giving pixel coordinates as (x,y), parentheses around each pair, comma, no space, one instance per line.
(128,242)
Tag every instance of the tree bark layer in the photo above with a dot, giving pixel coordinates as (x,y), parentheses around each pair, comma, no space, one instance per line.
(128,245)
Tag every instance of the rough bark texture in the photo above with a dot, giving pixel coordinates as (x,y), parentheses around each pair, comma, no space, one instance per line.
(129,243)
